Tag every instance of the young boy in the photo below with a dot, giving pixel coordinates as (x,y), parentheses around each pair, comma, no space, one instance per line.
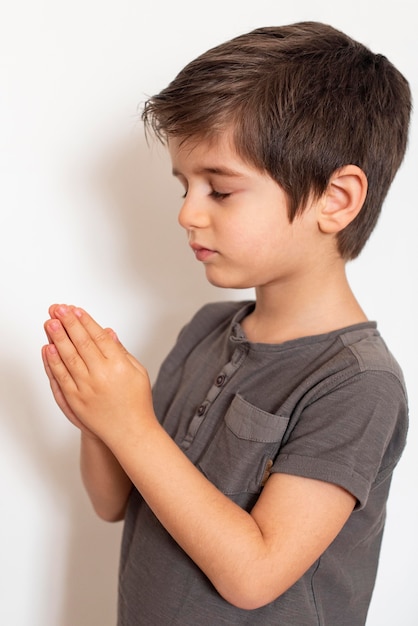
(253,480)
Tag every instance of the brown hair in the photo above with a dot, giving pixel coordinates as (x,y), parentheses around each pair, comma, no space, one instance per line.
(303,100)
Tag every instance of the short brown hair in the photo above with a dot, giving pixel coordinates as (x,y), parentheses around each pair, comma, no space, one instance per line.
(303,101)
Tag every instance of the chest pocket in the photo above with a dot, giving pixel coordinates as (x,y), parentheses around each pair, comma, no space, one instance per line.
(243,448)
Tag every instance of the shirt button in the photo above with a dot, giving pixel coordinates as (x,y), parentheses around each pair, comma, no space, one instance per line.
(220,380)
(201,410)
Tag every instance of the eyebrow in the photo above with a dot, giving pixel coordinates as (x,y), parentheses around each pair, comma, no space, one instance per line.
(220,171)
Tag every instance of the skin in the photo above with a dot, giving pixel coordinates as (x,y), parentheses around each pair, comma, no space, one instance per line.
(242,239)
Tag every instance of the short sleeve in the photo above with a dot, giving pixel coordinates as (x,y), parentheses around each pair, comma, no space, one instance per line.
(352,436)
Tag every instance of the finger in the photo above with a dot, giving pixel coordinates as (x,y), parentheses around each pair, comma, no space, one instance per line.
(53,308)
(66,350)
(46,364)
(52,379)
(59,397)
(58,374)
(51,311)
(47,333)
(112,334)
(85,334)
(105,340)
(45,356)
(123,350)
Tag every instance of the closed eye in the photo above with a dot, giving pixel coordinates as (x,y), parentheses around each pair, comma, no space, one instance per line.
(218,195)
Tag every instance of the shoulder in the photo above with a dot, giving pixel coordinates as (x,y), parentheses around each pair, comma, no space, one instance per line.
(373,357)
(365,375)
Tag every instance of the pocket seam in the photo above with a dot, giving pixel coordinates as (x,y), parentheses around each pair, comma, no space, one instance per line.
(243,425)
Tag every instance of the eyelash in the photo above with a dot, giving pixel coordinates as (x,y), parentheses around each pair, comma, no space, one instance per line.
(217,195)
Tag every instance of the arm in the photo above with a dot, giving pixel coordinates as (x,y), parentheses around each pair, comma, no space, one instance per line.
(105,481)
(251,558)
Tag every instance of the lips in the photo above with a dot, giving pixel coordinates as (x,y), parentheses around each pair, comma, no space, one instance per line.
(202,253)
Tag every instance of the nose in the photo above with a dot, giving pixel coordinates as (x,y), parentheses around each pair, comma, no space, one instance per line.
(193,214)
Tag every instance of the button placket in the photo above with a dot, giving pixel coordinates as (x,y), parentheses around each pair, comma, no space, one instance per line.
(218,385)
(220,380)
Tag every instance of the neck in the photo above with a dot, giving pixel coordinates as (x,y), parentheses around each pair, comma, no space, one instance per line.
(311,306)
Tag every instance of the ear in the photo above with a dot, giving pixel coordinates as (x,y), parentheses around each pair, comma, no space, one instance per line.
(343,199)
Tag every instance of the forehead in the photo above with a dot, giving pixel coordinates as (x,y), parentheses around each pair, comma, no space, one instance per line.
(215,154)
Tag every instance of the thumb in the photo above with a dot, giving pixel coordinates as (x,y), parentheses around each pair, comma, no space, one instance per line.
(129,356)
(112,334)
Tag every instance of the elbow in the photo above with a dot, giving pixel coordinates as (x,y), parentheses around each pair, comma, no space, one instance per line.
(248,601)
(108,514)
(109,509)
(106,517)
(250,592)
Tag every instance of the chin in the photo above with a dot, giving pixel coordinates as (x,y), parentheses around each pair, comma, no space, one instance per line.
(225,282)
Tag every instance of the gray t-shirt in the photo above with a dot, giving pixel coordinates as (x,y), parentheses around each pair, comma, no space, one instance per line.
(331,407)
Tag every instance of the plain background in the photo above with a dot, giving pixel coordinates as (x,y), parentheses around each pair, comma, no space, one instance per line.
(88,216)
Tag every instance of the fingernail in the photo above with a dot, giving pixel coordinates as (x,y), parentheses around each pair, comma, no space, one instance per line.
(62,309)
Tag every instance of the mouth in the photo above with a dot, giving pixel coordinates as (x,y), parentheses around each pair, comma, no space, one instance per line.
(202,253)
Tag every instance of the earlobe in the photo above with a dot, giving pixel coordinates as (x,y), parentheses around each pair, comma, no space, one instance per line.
(343,199)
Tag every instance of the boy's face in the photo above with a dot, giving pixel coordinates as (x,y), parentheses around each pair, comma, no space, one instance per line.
(236,218)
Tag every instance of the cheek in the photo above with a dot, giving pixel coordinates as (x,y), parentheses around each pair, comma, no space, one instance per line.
(266,238)
(261,233)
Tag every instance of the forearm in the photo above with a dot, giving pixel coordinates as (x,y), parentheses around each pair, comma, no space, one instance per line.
(223,539)
(105,481)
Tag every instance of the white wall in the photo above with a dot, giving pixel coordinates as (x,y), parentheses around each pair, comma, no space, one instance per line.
(84,219)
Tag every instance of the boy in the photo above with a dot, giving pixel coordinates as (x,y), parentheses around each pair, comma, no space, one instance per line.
(253,481)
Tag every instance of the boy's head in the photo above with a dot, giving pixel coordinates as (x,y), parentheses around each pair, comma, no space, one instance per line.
(302,101)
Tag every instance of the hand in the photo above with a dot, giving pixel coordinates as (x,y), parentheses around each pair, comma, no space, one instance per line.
(56,391)
(99,386)
(60,398)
